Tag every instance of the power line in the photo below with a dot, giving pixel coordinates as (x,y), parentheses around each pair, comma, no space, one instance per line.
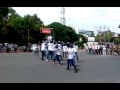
(95,16)
(108,16)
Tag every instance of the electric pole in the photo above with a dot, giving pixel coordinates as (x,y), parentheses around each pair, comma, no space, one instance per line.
(62,19)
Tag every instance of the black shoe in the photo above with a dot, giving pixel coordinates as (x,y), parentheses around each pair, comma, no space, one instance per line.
(76,71)
(67,69)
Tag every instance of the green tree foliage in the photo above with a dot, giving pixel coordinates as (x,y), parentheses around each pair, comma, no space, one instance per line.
(104,36)
(63,33)
(14,27)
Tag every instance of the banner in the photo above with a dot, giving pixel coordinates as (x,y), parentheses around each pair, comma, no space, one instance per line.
(46,30)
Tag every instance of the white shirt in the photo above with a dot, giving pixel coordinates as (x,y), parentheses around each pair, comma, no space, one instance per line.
(50,47)
(95,46)
(58,51)
(98,46)
(43,47)
(89,46)
(60,47)
(65,48)
(70,53)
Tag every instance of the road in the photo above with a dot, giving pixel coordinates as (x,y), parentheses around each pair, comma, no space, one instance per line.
(23,68)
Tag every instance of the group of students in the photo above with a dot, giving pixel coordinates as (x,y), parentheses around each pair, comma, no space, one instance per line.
(100,49)
(52,51)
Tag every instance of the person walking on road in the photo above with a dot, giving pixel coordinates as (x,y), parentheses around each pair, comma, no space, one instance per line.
(36,52)
(70,58)
(43,50)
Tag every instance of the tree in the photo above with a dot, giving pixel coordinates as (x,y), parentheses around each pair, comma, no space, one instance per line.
(32,25)
(105,36)
(63,33)
(3,14)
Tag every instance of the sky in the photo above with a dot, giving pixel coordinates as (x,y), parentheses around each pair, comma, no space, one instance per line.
(88,18)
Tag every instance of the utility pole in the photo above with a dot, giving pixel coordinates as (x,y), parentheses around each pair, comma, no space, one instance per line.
(62,19)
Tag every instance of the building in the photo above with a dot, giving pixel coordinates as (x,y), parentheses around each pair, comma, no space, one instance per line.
(87,33)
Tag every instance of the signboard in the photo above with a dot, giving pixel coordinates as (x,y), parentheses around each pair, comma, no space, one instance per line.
(46,30)
(91,39)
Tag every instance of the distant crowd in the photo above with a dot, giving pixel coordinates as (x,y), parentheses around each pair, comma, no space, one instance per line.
(102,49)
(6,47)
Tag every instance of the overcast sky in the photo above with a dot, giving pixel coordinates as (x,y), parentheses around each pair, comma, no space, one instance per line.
(77,17)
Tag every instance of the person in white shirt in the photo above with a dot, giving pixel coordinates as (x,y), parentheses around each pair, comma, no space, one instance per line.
(93,48)
(64,50)
(104,50)
(36,51)
(58,54)
(86,48)
(50,50)
(74,55)
(96,49)
(60,47)
(75,47)
(98,46)
(70,58)
(90,48)
(43,50)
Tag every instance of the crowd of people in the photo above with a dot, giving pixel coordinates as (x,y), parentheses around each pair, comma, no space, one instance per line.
(55,51)
(7,48)
(102,49)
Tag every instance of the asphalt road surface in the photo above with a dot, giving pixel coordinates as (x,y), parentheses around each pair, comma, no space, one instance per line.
(23,68)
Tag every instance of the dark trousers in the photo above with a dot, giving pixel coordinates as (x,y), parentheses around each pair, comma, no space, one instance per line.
(50,55)
(107,53)
(43,54)
(36,53)
(64,54)
(98,51)
(72,62)
(57,57)
(90,50)
(101,50)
